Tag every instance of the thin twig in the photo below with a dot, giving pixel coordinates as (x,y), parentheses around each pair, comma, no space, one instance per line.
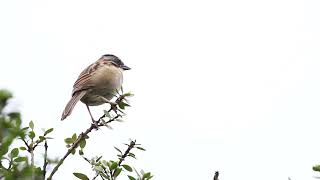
(132,144)
(27,145)
(76,143)
(74,146)
(94,125)
(32,160)
(216,175)
(122,158)
(95,176)
(91,164)
(45,162)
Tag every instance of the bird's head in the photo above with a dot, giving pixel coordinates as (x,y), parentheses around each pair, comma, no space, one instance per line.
(115,61)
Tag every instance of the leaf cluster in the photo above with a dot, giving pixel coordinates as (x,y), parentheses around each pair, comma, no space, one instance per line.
(112,169)
(15,164)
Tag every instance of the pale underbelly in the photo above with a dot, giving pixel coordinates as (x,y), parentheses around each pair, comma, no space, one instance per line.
(94,98)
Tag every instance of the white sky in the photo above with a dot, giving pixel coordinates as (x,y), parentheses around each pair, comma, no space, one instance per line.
(219,85)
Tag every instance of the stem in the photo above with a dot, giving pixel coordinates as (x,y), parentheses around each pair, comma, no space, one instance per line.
(76,143)
(94,125)
(216,175)
(121,159)
(74,146)
(32,160)
(45,162)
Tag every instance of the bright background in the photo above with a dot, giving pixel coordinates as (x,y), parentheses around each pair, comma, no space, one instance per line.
(219,85)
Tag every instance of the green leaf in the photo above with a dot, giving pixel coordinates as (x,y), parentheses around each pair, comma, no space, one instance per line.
(32,134)
(105,163)
(81,176)
(25,128)
(86,136)
(20,159)
(98,168)
(316,168)
(140,148)
(22,148)
(14,152)
(122,105)
(74,137)
(31,125)
(146,175)
(131,178)
(118,149)
(132,155)
(109,163)
(127,167)
(113,166)
(117,172)
(128,94)
(73,151)
(107,113)
(48,131)
(42,138)
(82,143)
(80,152)
(68,140)
(105,176)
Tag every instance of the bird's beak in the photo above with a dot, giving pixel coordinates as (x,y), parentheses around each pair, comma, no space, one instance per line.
(124,67)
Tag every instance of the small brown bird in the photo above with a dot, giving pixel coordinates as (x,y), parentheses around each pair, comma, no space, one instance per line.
(97,84)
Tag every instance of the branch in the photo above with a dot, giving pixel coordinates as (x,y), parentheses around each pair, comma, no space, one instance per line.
(95,125)
(74,146)
(121,159)
(130,146)
(27,145)
(216,175)
(91,164)
(45,162)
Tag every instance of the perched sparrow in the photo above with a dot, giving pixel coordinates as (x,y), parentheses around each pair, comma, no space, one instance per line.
(97,84)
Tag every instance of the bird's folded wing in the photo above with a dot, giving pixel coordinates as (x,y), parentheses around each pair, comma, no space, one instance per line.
(84,80)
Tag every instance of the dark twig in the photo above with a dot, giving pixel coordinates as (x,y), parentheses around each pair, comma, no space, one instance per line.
(121,159)
(91,164)
(126,153)
(95,176)
(45,162)
(74,146)
(216,175)
(131,145)
(100,122)
(27,145)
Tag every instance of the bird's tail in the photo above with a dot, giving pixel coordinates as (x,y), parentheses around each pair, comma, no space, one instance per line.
(73,101)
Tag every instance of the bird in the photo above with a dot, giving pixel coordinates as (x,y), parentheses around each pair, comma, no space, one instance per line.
(97,84)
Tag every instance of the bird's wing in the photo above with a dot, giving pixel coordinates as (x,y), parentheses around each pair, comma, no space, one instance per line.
(84,80)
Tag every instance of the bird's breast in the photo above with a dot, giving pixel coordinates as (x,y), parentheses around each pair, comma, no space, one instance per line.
(108,77)
(105,82)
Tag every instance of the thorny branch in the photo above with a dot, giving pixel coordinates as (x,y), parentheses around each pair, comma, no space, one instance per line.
(121,159)
(100,122)
(126,153)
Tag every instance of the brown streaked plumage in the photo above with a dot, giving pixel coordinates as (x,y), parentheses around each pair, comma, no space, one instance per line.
(97,83)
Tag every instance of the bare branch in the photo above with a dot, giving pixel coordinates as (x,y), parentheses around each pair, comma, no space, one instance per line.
(100,122)
(216,175)
(45,162)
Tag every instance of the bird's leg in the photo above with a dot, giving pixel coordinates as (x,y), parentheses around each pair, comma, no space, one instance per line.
(92,119)
(112,104)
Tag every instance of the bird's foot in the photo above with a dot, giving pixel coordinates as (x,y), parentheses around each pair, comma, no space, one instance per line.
(113,106)
(95,124)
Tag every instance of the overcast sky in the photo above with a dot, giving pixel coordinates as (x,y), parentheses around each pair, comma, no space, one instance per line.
(219,85)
